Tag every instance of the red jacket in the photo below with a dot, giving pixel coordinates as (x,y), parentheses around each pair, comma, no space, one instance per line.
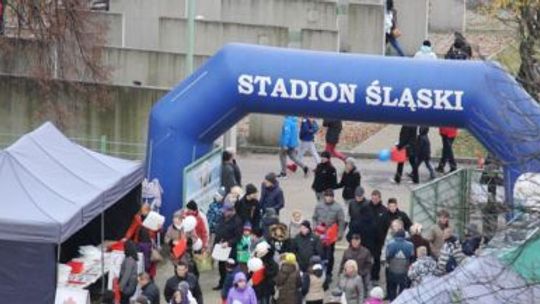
(133,231)
(448,132)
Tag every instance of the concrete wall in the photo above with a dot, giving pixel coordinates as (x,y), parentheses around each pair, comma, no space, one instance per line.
(151,68)
(322,40)
(413,23)
(126,120)
(210,36)
(366,28)
(447,15)
(114,23)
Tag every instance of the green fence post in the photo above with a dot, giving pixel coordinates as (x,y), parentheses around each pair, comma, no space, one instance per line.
(103,144)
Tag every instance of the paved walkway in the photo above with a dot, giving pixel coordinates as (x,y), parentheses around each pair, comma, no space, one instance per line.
(298,195)
(389,136)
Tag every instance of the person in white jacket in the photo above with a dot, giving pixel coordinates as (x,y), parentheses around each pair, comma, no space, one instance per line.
(425,52)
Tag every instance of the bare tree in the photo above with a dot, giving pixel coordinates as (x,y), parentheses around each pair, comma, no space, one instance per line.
(59,43)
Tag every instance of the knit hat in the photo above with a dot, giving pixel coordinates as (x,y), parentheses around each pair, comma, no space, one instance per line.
(359,192)
(289,258)
(183,287)
(250,189)
(351,161)
(262,249)
(377,293)
(426,43)
(239,276)
(247,226)
(271,177)
(306,224)
(326,154)
(192,205)
(329,192)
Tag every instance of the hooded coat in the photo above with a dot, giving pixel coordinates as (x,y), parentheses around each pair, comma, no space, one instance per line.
(424,145)
(272,197)
(289,282)
(325,177)
(289,133)
(349,182)
(249,211)
(306,246)
(241,296)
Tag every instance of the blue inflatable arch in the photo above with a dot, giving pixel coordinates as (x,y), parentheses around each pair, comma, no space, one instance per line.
(242,79)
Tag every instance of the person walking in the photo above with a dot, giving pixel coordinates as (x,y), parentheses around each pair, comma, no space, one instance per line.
(376,211)
(306,245)
(333,131)
(363,258)
(127,280)
(448,135)
(391,30)
(288,146)
(330,215)
(351,283)
(289,281)
(425,51)
(228,172)
(308,128)
(271,194)
(398,255)
(350,180)
(325,176)
(241,293)
(236,167)
(407,140)
(424,151)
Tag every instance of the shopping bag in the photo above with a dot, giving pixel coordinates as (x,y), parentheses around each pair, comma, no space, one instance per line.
(331,235)
(203,262)
(399,156)
(180,248)
(156,256)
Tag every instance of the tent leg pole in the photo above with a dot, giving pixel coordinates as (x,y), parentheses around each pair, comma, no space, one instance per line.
(102,253)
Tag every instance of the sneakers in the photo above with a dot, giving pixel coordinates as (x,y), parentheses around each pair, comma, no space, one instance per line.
(282,175)
(440,170)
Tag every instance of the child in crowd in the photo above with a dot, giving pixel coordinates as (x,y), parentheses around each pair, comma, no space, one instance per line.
(241,293)
(296,222)
(376,296)
(243,252)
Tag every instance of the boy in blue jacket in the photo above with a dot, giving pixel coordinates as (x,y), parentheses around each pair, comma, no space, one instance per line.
(288,144)
(308,129)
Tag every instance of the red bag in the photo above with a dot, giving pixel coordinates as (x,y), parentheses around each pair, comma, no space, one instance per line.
(118,246)
(180,248)
(76,267)
(331,235)
(399,156)
(257,277)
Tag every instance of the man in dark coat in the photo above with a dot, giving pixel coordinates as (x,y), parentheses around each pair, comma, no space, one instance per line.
(228,174)
(325,176)
(393,213)
(248,208)
(181,275)
(361,221)
(333,132)
(271,194)
(350,180)
(305,245)
(376,211)
(407,140)
(424,151)
(363,259)
(149,288)
(228,233)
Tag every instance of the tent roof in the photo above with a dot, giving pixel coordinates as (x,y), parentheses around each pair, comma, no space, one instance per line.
(52,187)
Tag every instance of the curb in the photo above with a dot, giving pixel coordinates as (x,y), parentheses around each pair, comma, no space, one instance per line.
(360,155)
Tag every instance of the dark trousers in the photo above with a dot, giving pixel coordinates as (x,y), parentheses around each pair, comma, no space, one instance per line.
(376,269)
(447,154)
(428,166)
(328,253)
(124,299)
(414,166)
(222,267)
(263,300)
(395,284)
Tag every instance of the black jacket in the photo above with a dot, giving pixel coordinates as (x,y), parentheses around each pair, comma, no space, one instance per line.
(266,287)
(306,246)
(364,223)
(172,285)
(333,131)
(407,137)
(230,231)
(249,211)
(389,217)
(151,292)
(325,177)
(376,212)
(349,182)
(424,146)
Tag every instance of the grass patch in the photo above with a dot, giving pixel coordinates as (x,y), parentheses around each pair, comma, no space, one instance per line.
(467,146)
(510,59)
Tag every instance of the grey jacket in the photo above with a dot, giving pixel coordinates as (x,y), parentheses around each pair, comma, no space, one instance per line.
(128,276)
(353,288)
(329,214)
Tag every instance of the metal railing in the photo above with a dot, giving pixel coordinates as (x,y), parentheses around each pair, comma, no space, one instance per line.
(462,193)
(129,150)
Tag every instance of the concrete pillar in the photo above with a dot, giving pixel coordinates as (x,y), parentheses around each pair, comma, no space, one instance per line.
(229,138)
(413,23)
(366,27)
(343,26)
(264,130)
(447,15)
